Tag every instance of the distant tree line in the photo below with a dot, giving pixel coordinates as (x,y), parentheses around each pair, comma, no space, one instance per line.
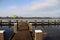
(13,17)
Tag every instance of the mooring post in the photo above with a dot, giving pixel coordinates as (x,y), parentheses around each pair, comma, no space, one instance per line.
(27,21)
(38,35)
(35,24)
(2,34)
(42,24)
(30,27)
(17,23)
(1,23)
(55,22)
(9,23)
(48,22)
(15,27)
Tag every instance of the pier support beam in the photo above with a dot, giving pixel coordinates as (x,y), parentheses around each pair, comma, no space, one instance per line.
(2,34)
(15,27)
(38,35)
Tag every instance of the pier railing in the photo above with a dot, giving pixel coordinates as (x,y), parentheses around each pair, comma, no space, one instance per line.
(9,23)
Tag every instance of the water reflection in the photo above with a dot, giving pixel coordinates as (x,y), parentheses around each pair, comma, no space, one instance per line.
(53,32)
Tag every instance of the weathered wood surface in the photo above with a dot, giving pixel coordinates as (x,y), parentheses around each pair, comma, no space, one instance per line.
(23,26)
(33,23)
(23,33)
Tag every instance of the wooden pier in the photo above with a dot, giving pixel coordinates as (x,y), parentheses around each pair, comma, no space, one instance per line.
(22,33)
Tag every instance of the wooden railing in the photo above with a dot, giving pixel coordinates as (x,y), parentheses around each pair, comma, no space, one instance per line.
(9,23)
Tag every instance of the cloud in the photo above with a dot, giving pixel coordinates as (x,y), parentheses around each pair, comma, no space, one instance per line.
(40,5)
(35,5)
(35,8)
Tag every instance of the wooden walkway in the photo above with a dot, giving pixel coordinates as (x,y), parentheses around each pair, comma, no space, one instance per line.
(23,33)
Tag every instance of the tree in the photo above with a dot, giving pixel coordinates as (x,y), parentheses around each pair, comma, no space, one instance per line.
(14,16)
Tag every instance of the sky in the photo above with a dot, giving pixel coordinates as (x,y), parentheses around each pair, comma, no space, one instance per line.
(28,8)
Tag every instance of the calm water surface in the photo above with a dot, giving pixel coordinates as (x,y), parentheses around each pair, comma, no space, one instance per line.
(31,20)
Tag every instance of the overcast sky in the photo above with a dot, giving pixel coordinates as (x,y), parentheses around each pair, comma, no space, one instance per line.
(39,8)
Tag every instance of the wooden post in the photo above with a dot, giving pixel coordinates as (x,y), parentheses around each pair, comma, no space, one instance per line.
(2,34)
(17,23)
(42,24)
(30,27)
(27,21)
(58,22)
(9,23)
(1,23)
(35,24)
(48,22)
(54,22)
(38,35)
(15,27)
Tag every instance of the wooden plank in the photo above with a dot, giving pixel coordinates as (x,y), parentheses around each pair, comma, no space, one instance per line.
(23,26)
(22,35)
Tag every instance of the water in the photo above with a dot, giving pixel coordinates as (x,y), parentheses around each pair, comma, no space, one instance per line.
(53,31)
(8,31)
(31,20)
